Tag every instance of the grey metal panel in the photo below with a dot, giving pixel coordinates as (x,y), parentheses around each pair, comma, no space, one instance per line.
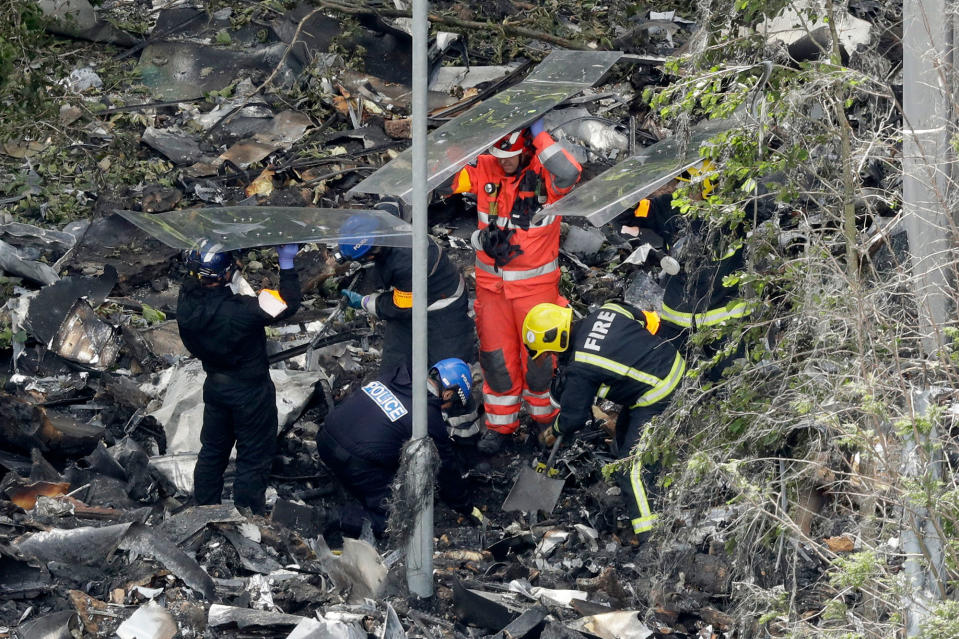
(238,227)
(451,146)
(613,191)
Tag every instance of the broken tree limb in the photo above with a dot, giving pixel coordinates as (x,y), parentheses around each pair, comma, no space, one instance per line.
(467,26)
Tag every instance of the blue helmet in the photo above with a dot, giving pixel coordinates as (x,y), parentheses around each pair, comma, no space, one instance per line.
(454,373)
(356,236)
(207,261)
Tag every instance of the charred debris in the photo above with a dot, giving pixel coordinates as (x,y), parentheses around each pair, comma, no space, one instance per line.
(100,409)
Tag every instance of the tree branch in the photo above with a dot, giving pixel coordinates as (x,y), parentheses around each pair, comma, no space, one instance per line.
(459,24)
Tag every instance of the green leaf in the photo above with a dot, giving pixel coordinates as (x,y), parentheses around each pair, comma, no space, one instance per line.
(153,315)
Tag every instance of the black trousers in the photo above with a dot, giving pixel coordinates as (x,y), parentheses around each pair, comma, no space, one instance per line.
(240,413)
(368,482)
(634,479)
(451,334)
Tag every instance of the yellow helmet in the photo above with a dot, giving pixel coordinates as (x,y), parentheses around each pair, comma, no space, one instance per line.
(705,167)
(546,329)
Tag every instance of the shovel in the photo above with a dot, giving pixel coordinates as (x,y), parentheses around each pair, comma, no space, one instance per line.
(534,489)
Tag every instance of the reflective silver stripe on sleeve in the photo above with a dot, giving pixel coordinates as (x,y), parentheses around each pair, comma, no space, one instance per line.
(555,161)
(515,276)
(502,220)
(446,301)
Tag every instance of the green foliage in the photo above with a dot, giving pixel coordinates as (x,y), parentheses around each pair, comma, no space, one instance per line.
(855,570)
(153,315)
(943,624)
(21,31)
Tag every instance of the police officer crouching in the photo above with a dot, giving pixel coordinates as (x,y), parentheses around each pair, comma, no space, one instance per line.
(613,353)
(362,438)
(225,331)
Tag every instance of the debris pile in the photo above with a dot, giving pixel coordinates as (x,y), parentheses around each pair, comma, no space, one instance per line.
(258,106)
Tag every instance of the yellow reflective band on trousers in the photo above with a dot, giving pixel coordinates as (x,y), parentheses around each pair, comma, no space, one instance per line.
(712,317)
(646,518)
(666,386)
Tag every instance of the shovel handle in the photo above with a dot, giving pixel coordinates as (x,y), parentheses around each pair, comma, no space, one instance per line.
(552,453)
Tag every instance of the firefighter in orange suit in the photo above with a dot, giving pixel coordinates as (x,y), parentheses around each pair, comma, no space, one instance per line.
(517,268)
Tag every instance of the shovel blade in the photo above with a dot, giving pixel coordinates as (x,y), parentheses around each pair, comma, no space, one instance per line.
(534,491)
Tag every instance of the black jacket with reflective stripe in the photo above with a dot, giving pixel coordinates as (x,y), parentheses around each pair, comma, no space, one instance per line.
(698,287)
(394,268)
(225,330)
(611,349)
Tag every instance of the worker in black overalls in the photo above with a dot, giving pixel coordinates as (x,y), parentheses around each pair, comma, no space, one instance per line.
(699,295)
(613,353)
(450,332)
(225,331)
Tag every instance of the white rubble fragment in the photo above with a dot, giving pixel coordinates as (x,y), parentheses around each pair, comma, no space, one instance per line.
(82,79)
(623,624)
(150,621)
(547,596)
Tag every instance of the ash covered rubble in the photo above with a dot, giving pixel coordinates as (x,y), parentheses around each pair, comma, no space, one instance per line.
(101,409)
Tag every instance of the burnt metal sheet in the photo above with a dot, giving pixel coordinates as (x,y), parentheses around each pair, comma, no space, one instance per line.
(84,545)
(53,303)
(19,580)
(220,615)
(252,555)
(392,628)
(142,540)
(57,625)
(524,625)
(239,227)
(187,523)
(473,609)
(451,146)
(183,70)
(623,186)
(85,338)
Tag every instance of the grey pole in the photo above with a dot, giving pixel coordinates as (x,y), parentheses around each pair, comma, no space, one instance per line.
(927,160)
(419,552)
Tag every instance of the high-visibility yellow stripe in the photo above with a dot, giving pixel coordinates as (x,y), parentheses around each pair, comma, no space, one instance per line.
(666,386)
(603,391)
(733,310)
(646,517)
(610,306)
(615,367)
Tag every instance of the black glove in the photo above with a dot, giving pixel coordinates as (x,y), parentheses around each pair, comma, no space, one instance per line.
(496,244)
